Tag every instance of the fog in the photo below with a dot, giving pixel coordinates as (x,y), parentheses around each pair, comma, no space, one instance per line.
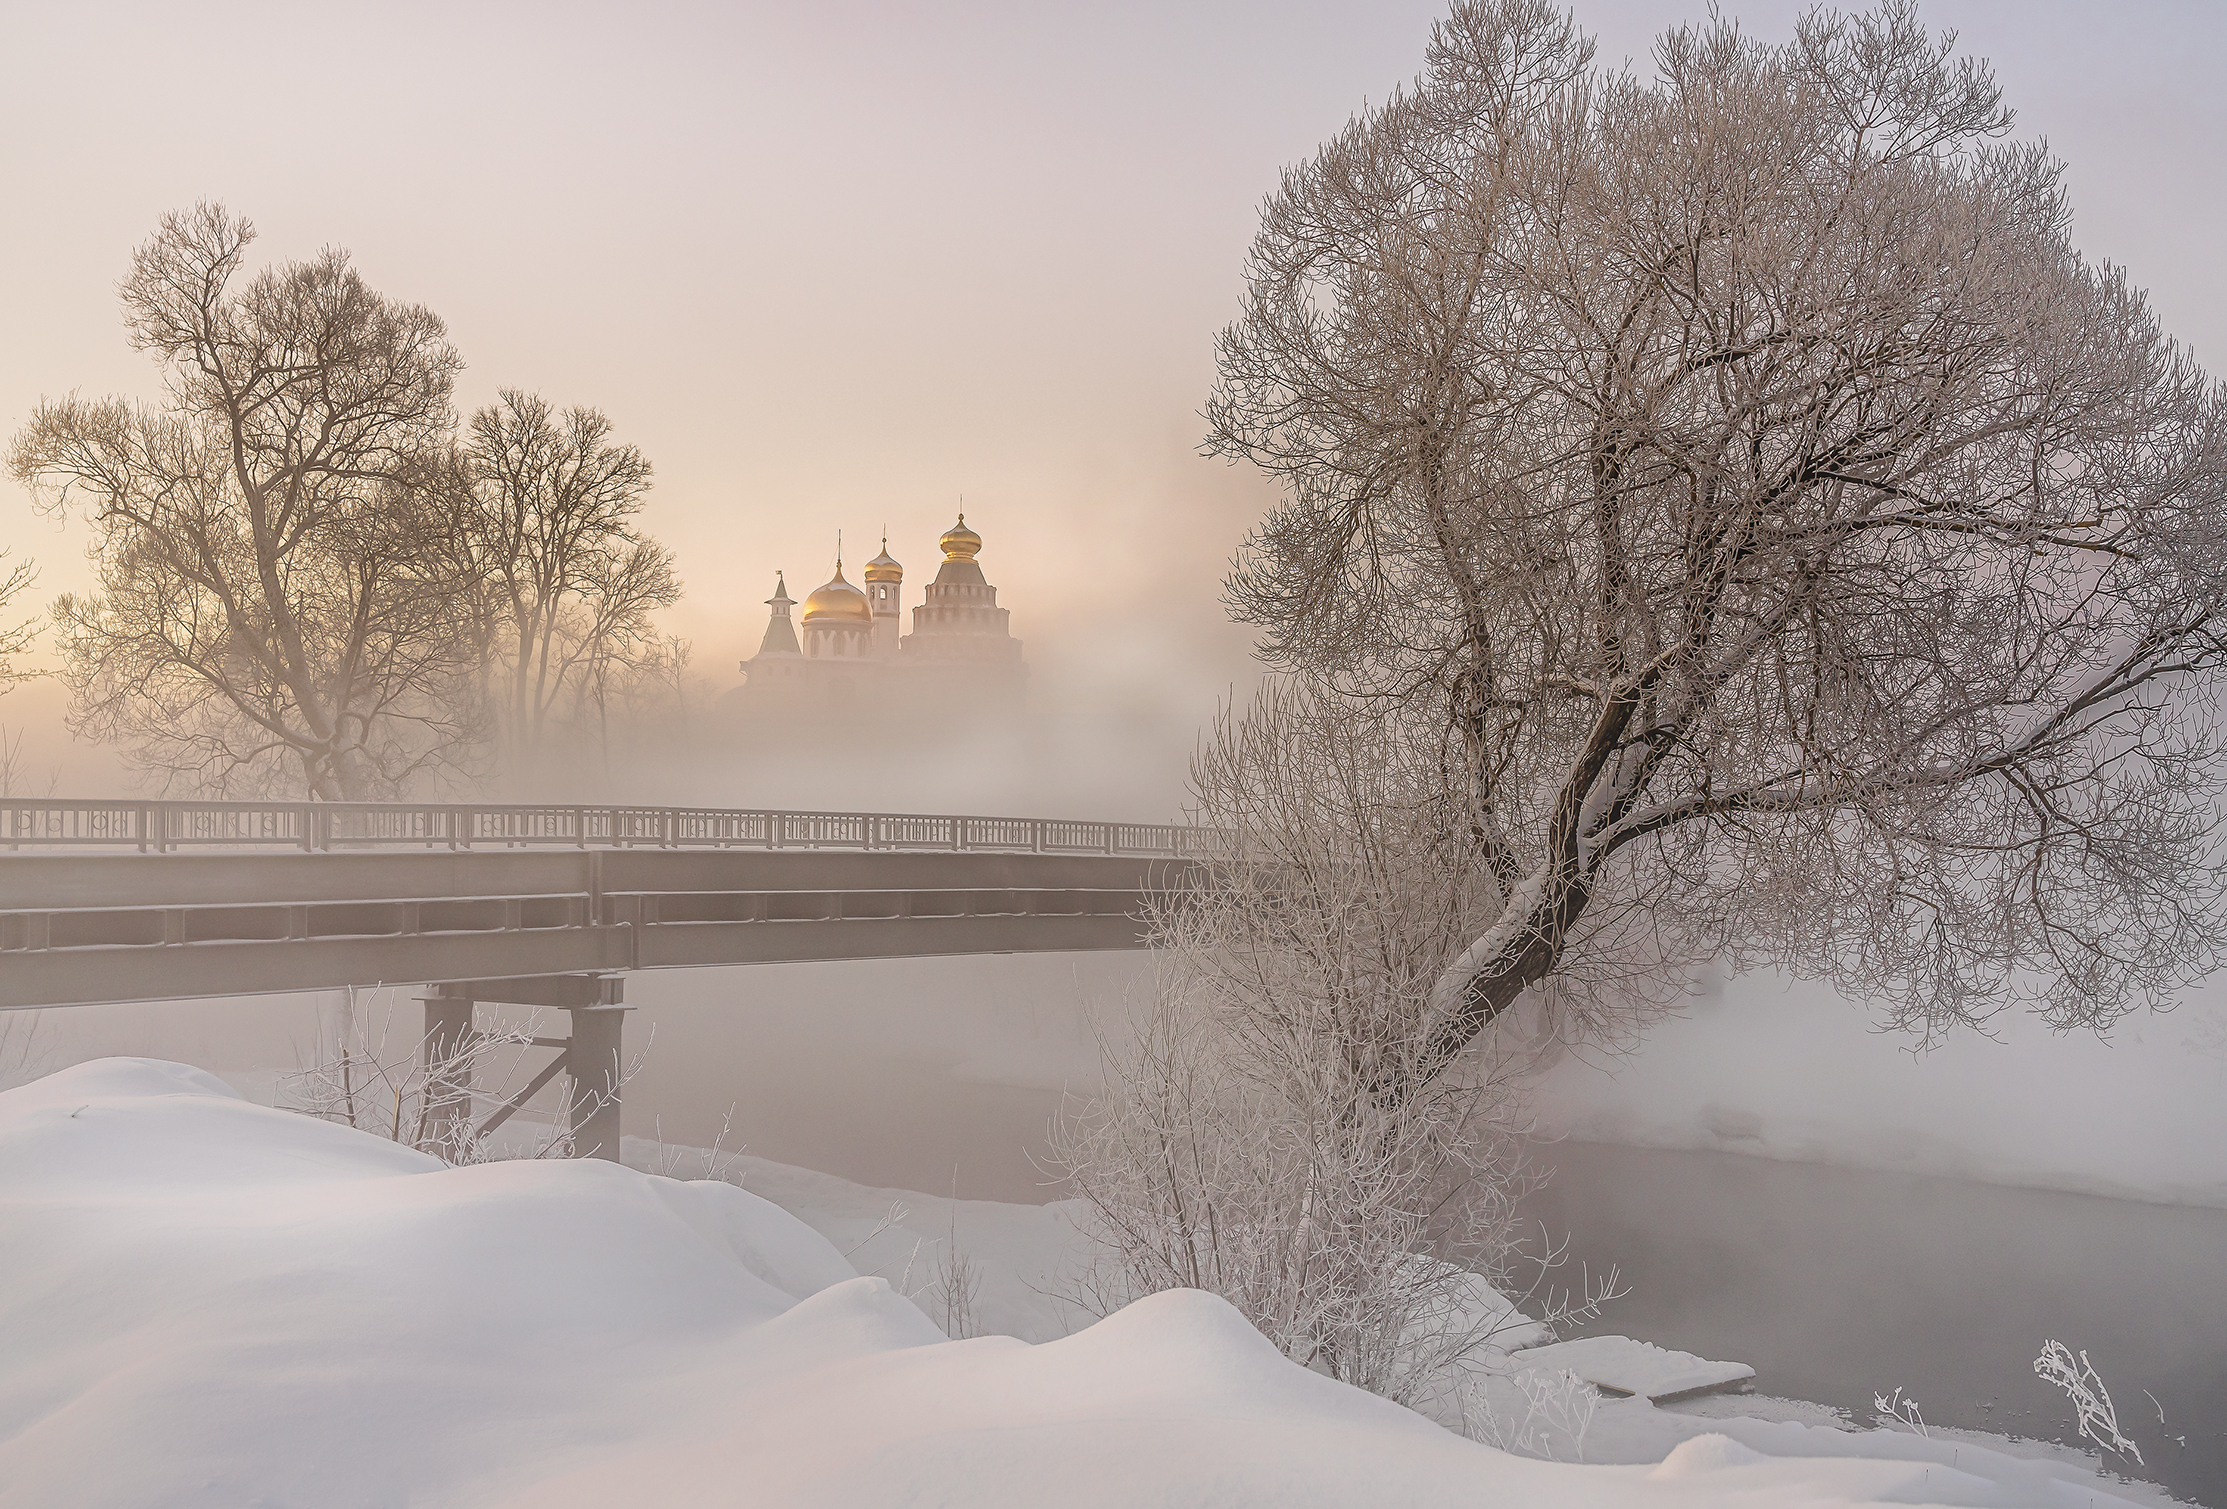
(839,268)
(834,268)
(903,1073)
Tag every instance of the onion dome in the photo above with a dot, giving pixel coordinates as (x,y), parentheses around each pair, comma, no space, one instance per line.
(959,542)
(838,602)
(884,567)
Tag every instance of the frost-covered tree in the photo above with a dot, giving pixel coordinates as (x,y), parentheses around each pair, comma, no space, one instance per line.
(1804,553)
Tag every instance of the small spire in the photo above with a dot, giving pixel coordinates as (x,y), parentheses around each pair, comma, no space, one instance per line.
(780,638)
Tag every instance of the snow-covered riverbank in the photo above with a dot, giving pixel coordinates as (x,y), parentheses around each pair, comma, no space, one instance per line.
(213,1303)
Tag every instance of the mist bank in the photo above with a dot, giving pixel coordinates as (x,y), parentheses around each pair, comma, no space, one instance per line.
(1105,733)
(1762,1065)
(895,1072)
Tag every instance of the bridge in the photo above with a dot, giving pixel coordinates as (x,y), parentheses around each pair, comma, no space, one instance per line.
(547,905)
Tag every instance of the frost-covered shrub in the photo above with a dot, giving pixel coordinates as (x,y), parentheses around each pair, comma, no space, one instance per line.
(1265,1135)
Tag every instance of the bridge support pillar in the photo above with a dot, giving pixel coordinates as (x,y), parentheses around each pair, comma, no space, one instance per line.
(446,1056)
(596,1066)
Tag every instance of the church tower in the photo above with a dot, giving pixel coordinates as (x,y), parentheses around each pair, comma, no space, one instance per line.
(780,632)
(885,586)
(961,645)
(776,671)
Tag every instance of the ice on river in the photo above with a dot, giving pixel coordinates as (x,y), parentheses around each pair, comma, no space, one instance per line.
(1635,1367)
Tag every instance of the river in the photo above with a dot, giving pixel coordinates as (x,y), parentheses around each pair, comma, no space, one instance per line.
(1838,1284)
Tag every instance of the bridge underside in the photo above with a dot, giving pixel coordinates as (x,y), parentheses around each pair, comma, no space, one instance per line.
(88,929)
(545,927)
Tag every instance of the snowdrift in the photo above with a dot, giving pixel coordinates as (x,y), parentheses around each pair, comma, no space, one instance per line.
(208,1302)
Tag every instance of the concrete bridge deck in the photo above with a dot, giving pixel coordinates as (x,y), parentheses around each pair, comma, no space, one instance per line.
(80,929)
(542,905)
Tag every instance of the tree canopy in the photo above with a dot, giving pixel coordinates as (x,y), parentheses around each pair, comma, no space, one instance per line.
(306,583)
(1796,549)
(276,601)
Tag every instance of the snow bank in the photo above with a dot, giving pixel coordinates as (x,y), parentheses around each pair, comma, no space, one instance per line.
(209,1302)
(1024,1257)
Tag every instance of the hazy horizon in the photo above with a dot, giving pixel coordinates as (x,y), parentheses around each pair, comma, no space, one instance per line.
(836,269)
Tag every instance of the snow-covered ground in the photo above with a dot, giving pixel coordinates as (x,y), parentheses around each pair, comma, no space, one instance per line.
(210,1302)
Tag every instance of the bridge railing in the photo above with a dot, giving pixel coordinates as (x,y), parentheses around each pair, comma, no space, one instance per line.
(154,827)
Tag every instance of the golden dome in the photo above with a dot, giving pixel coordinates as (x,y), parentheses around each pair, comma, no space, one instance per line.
(838,602)
(884,567)
(959,542)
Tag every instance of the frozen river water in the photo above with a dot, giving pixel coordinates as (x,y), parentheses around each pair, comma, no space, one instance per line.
(1838,1284)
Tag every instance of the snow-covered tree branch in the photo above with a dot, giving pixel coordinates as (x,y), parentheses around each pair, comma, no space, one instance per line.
(1798,545)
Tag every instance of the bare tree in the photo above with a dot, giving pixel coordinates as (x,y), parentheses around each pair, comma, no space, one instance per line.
(1247,1144)
(14,640)
(570,582)
(275,606)
(17,637)
(647,682)
(1805,554)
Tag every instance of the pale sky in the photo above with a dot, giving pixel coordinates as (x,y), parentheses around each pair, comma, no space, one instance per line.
(835,266)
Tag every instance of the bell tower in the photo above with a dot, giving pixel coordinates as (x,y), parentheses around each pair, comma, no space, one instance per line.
(885,587)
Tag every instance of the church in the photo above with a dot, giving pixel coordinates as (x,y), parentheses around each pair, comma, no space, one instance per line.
(853,658)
